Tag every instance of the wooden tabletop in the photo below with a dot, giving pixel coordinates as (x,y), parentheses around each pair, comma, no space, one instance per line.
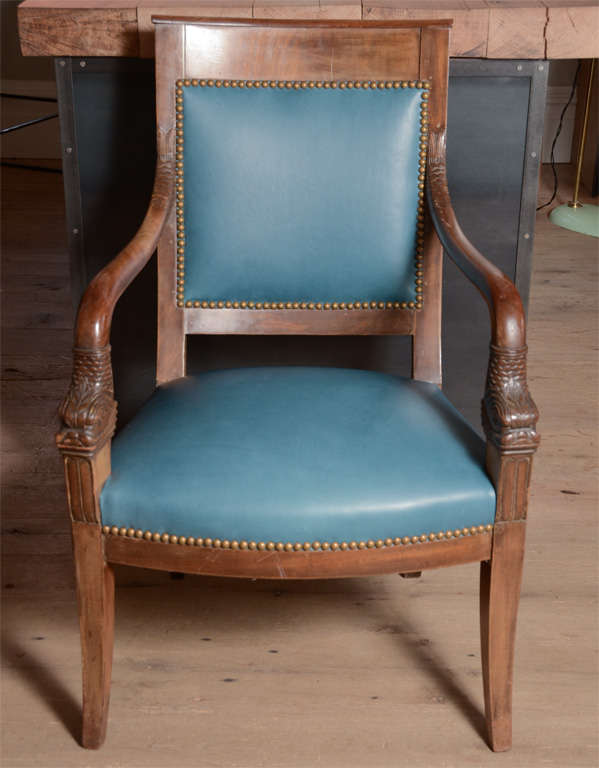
(493,29)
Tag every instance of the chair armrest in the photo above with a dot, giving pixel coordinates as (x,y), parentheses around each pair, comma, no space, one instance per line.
(508,411)
(88,411)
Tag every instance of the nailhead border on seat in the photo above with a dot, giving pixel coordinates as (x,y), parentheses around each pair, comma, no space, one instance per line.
(388,85)
(297,546)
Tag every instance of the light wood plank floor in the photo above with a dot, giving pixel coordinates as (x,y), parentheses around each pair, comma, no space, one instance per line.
(374,672)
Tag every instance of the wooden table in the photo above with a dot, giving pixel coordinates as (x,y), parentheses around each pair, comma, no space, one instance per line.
(494,29)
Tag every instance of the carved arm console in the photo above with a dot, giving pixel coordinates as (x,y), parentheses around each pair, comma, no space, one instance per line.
(88,411)
(508,411)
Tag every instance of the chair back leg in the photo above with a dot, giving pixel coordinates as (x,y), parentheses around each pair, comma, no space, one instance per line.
(95,594)
(500,580)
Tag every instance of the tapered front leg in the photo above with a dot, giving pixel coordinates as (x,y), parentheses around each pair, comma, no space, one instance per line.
(500,582)
(95,594)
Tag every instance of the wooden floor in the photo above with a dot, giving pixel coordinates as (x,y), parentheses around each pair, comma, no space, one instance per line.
(348,674)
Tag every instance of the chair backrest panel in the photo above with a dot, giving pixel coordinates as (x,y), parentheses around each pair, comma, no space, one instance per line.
(291,193)
(243,232)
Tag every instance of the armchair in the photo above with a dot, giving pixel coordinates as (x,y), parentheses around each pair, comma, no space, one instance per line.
(300,188)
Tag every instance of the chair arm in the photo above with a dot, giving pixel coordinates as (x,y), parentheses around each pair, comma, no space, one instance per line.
(508,411)
(88,411)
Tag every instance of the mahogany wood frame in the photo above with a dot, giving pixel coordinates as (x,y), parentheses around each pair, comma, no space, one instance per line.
(384,50)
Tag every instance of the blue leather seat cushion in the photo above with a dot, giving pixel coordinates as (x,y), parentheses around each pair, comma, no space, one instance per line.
(294,195)
(297,454)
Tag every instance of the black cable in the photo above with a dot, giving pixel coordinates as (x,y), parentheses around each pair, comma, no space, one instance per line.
(27,123)
(7,164)
(555,138)
(27,98)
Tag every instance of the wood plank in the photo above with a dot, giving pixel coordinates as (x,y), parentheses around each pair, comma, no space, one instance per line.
(307,9)
(468,37)
(18,540)
(483,28)
(36,367)
(66,32)
(81,4)
(21,341)
(102,4)
(573,30)
(47,498)
(516,33)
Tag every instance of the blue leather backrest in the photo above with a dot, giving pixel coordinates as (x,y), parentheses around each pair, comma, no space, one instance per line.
(300,192)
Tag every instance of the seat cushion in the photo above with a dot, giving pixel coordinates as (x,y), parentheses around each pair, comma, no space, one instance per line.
(296,454)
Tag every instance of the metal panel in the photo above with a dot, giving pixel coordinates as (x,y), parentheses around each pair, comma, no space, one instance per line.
(72,185)
(504,113)
(539,72)
(107,109)
(495,127)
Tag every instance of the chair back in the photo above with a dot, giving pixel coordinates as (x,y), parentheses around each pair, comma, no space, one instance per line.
(300,152)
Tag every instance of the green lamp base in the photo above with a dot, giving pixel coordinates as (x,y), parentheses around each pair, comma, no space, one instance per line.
(583,219)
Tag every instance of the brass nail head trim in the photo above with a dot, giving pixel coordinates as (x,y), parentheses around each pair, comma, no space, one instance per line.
(294,85)
(288,546)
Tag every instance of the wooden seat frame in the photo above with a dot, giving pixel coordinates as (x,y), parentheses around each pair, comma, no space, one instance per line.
(382,52)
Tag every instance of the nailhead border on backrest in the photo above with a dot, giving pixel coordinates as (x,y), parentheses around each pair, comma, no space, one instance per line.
(306,303)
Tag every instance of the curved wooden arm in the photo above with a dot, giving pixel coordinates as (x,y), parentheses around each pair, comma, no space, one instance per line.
(509,413)
(88,411)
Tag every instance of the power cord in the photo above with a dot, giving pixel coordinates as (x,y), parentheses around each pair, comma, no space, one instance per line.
(555,138)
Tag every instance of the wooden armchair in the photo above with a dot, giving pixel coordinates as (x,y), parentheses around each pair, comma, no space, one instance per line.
(300,189)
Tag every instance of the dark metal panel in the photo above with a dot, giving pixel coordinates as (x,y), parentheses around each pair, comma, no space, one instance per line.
(495,127)
(113,106)
(539,71)
(71,180)
(502,126)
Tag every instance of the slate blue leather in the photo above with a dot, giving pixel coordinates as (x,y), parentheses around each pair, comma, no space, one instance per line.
(295,195)
(297,454)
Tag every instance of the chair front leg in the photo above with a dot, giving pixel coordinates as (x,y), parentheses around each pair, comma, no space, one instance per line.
(509,420)
(95,595)
(88,414)
(500,580)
